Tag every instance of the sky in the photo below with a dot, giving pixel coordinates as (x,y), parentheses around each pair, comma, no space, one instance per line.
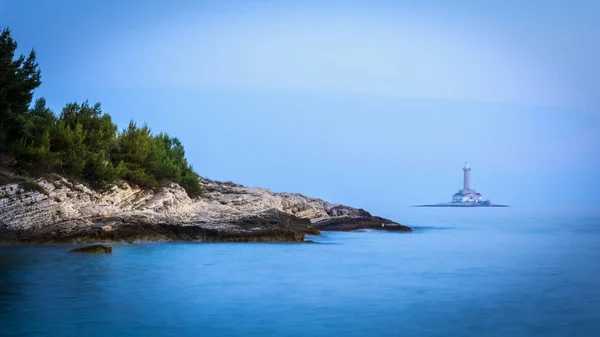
(375,104)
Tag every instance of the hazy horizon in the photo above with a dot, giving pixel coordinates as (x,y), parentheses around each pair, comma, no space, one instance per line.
(371,104)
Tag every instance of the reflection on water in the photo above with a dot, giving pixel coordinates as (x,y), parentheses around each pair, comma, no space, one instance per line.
(463,272)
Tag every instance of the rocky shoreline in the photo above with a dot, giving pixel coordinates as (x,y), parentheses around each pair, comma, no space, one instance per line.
(63,211)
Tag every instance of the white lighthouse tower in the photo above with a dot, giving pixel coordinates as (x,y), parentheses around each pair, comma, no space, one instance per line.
(466,194)
(467,177)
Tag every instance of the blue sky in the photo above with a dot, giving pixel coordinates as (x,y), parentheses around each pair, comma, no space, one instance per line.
(372,103)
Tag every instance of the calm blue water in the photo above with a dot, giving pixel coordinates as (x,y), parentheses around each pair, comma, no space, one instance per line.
(464,272)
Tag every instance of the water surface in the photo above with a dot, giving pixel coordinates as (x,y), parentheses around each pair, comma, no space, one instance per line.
(463,272)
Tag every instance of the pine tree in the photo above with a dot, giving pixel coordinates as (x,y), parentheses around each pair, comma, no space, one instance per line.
(18,78)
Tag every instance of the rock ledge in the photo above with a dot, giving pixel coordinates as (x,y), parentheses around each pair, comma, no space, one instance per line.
(226,212)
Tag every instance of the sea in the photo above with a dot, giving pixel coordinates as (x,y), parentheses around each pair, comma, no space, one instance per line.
(513,271)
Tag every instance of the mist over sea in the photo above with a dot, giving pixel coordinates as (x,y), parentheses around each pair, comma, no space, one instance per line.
(462,272)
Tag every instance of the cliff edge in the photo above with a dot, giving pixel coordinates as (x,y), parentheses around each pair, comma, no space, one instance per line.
(63,211)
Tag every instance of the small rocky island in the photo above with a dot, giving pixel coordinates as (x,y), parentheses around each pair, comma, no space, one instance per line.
(63,211)
(466,197)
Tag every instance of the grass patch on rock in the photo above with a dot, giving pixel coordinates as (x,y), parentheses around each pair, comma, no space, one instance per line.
(26,184)
(29,185)
(7,178)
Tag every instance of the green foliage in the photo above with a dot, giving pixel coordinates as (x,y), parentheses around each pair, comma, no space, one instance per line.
(83,142)
(35,159)
(98,127)
(135,149)
(18,78)
(190,182)
(150,160)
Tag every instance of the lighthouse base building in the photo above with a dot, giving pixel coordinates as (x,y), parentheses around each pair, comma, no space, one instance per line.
(468,196)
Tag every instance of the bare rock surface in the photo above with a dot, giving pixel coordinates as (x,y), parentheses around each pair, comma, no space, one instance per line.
(346,223)
(71,212)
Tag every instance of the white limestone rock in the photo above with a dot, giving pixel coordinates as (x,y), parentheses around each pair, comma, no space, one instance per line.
(73,207)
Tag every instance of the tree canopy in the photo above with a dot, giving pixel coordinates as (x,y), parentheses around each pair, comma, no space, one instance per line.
(82,142)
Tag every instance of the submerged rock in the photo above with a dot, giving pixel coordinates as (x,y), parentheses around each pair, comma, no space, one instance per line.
(94,249)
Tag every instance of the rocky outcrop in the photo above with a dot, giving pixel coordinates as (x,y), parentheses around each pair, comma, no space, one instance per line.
(64,211)
(347,223)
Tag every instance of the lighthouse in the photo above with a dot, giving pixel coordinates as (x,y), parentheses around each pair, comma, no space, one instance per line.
(467,177)
(467,195)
